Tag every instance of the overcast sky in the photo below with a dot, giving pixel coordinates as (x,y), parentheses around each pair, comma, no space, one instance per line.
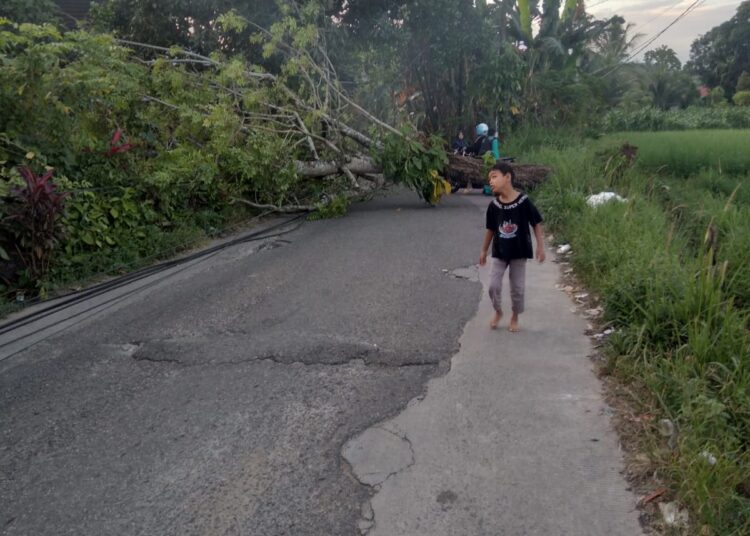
(650,17)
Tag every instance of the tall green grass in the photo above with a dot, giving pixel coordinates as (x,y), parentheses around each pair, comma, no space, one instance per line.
(525,138)
(689,152)
(680,304)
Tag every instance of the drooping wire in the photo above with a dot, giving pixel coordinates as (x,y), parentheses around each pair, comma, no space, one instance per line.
(74,298)
(648,43)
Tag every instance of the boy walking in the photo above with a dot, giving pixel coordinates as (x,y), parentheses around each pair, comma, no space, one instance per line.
(509,217)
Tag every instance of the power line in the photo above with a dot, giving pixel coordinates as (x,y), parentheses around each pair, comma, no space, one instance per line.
(688,10)
(172,250)
(662,12)
(648,43)
(92,310)
(74,298)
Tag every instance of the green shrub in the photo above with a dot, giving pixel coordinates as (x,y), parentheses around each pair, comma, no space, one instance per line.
(743,82)
(717,96)
(742,98)
(144,149)
(335,208)
(406,160)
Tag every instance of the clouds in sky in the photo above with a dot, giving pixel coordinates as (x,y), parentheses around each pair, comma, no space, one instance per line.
(651,17)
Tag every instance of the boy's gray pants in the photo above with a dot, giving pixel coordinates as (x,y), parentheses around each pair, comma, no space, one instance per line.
(517,282)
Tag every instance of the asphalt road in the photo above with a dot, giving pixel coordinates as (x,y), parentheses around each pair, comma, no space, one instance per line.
(216,400)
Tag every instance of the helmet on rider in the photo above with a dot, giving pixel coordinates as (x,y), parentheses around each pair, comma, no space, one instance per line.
(481,129)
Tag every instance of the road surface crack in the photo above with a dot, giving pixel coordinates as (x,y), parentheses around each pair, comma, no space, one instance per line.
(405,439)
(185,356)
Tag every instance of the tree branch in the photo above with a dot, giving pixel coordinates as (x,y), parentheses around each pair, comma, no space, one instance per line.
(310,142)
(286,209)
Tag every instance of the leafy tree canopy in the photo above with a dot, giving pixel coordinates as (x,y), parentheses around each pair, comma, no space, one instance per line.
(663,58)
(723,53)
(33,11)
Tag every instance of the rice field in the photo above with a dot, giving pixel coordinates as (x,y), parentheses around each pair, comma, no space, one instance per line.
(686,153)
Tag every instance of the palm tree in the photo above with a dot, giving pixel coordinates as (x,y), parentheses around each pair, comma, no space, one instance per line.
(560,43)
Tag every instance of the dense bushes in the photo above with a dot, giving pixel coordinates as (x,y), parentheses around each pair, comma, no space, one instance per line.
(140,148)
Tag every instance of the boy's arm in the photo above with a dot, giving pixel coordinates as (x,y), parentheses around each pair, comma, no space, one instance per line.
(539,235)
(485,247)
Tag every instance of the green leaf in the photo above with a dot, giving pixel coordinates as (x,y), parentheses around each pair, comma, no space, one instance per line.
(4,254)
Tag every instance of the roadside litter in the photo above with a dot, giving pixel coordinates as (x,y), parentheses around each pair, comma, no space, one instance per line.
(603,197)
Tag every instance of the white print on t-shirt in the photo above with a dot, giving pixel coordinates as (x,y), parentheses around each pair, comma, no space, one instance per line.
(508,230)
(520,200)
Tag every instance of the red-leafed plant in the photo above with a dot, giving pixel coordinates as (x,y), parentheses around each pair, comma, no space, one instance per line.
(116,146)
(34,223)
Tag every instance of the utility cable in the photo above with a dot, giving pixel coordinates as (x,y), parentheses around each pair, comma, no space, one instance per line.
(660,13)
(692,7)
(96,309)
(111,302)
(173,250)
(648,43)
(76,297)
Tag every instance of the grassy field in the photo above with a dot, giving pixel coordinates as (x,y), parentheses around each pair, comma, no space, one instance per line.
(672,268)
(686,153)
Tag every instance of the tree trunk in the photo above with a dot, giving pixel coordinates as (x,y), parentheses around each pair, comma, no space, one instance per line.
(361,165)
(463,170)
(460,170)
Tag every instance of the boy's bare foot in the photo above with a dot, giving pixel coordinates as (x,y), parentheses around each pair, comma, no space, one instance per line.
(513,327)
(496,319)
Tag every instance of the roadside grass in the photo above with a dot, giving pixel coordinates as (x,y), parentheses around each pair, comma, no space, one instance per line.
(671,268)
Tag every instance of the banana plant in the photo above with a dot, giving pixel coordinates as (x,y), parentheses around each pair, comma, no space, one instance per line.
(524,14)
(569,9)
(564,29)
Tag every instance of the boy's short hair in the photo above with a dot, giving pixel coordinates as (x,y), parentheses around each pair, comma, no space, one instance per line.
(505,168)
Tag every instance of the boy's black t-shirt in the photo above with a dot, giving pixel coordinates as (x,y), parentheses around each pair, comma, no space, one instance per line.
(509,224)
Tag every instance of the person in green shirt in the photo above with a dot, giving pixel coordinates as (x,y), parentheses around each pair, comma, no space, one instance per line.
(495,143)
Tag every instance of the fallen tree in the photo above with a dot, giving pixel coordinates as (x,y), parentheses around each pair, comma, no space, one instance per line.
(151,144)
(462,170)
(318,124)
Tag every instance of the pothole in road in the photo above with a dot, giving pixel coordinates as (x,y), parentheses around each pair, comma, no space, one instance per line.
(313,349)
(242,251)
(274,244)
(468,273)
